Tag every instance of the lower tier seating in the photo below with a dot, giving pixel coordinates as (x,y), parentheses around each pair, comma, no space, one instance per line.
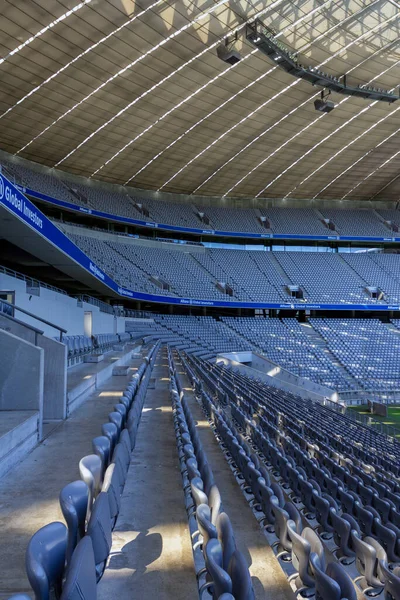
(328,501)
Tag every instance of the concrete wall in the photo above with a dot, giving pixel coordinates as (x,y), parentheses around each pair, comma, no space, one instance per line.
(59,309)
(54,367)
(55,379)
(21,374)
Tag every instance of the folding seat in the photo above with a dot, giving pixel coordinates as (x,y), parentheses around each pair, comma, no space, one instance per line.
(80,582)
(125,439)
(323,506)
(220,582)
(206,528)
(121,408)
(383,506)
(121,459)
(74,499)
(366,517)
(45,560)
(308,494)
(126,400)
(226,538)
(391,581)
(110,430)
(214,502)
(90,471)
(395,517)
(342,526)
(366,493)
(388,536)
(302,546)
(348,500)
(285,517)
(242,588)
(197,492)
(116,418)
(99,529)
(333,583)
(101,446)
(113,486)
(369,553)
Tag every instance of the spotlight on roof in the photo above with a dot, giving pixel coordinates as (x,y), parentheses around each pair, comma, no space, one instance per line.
(227,52)
(324,105)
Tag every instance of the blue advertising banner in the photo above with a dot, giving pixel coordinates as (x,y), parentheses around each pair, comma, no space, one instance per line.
(17,203)
(193,230)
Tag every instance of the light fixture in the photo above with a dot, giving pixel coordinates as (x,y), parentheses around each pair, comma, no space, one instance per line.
(227,52)
(325,106)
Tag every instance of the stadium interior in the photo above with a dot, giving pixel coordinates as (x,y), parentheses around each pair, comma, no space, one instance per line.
(199,300)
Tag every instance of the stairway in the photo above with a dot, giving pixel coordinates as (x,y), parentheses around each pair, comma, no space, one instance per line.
(354,273)
(235,333)
(317,339)
(280,269)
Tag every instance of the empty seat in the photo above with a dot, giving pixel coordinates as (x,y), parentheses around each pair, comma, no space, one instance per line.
(74,500)
(99,529)
(80,582)
(45,560)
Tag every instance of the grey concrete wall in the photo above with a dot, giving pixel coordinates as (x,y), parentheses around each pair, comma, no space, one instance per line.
(18,329)
(55,368)
(55,379)
(21,374)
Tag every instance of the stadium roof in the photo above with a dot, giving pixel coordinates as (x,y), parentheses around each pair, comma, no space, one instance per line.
(134,91)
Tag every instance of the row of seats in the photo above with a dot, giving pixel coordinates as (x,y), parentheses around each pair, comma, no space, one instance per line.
(304,221)
(68,560)
(363,535)
(79,345)
(221,568)
(253,276)
(342,354)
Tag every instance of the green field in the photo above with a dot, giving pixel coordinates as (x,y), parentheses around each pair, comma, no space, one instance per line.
(393,417)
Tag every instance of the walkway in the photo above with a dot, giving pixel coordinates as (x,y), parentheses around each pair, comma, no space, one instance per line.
(151,557)
(29,493)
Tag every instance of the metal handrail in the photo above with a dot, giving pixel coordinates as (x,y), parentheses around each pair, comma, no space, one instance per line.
(27,279)
(26,312)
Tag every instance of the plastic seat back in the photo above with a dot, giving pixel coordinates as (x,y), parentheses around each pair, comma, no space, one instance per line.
(99,529)
(242,588)
(45,560)
(80,583)
(90,472)
(226,538)
(74,500)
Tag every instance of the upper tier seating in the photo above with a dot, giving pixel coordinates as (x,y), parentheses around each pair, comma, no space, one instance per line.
(122,202)
(233,219)
(304,221)
(47,183)
(349,221)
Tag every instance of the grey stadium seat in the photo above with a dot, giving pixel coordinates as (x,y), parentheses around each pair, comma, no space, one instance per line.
(45,560)
(74,500)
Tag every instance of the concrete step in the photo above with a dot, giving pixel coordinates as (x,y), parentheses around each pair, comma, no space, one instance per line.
(19,434)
